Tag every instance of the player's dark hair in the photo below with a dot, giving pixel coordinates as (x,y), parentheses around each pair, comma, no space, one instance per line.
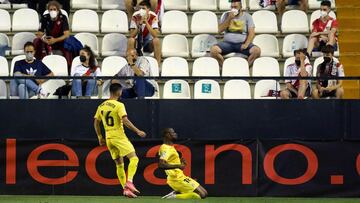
(28,44)
(145,3)
(328,49)
(326,3)
(115,87)
(165,131)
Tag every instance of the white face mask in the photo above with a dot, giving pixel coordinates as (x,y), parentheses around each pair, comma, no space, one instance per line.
(234,11)
(29,56)
(142,12)
(323,14)
(53,14)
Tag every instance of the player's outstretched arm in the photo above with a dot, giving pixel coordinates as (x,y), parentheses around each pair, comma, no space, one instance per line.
(132,127)
(164,165)
(98,132)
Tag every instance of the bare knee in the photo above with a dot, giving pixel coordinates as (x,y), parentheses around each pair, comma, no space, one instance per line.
(284,94)
(256,51)
(340,93)
(156,42)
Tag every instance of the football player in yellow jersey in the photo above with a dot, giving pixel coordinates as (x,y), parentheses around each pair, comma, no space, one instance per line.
(184,187)
(113,116)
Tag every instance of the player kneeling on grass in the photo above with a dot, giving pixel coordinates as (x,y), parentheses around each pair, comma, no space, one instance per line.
(184,187)
(113,115)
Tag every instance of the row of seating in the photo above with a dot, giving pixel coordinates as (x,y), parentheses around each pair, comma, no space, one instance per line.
(116,21)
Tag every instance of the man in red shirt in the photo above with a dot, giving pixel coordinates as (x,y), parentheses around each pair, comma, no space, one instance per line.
(324,29)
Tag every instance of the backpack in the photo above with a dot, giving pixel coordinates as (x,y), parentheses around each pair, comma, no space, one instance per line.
(73,45)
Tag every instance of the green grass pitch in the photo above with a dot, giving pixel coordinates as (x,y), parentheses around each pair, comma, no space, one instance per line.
(110,199)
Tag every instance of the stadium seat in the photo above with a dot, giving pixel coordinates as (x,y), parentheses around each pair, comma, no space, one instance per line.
(262,88)
(6,6)
(90,40)
(204,22)
(254,5)
(175,45)
(176,89)
(154,66)
(318,61)
(235,67)
(57,64)
(5,23)
(18,41)
(203,5)
(25,19)
(316,14)
(88,4)
(301,42)
(269,45)
(175,22)
(288,61)
(201,45)
(176,5)
(114,44)
(4,66)
(114,21)
(16,58)
(237,89)
(207,89)
(85,20)
(111,66)
(315,4)
(205,66)
(224,5)
(295,21)
(3,90)
(4,41)
(266,66)
(265,22)
(175,66)
(62,12)
(112,4)
(157,90)
(19,6)
(51,86)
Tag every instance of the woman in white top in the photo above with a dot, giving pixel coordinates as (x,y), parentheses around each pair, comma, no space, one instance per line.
(86,68)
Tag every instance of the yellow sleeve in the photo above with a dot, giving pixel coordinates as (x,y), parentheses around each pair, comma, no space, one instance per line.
(122,111)
(98,114)
(164,153)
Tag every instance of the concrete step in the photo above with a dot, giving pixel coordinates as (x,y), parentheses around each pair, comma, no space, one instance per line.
(349,35)
(352,89)
(347,3)
(349,22)
(352,70)
(349,46)
(348,12)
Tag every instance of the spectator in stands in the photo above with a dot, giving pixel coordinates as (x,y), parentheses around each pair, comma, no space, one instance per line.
(331,67)
(301,68)
(281,4)
(26,88)
(40,5)
(137,66)
(88,67)
(54,29)
(324,29)
(144,31)
(133,5)
(239,31)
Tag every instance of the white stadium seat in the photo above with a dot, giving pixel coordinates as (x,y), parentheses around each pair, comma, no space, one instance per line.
(51,86)
(13,61)
(207,89)
(176,89)
(154,66)
(90,40)
(203,5)
(175,66)
(5,23)
(111,66)
(265,22)
(18,41)
(19,6)
(288,61)
(268,44)
(62,12)
(85,20)
(254,5)
(315,4)
(3,90)
(5,5)
(316,14)
(237,89)
(176,5)
(175,22)
(262,88)
(57,64)
(112,4)
(295,21)
(204,22)
(88,4)
(4,66)
(175,45)
(300,42)
(25,19)
(235,67)
(201,44)
(318,61)
(266,66)
(114,44)
(224,5)
(5,41)
(205,66)
(114,21)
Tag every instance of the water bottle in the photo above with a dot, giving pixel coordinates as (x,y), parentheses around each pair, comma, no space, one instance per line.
(293,46)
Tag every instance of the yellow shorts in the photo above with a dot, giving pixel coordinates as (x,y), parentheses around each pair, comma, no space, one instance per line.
(183,185)
(119,147)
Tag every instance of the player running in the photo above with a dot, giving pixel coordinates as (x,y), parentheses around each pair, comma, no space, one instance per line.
(184,187)
(113,115)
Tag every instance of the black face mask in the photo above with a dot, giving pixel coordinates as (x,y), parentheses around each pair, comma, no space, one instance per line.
(327,59)
(82,59)
(298,62)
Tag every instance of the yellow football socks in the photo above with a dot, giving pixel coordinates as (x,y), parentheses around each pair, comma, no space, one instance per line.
(132,168)
(120,171)
(190,195)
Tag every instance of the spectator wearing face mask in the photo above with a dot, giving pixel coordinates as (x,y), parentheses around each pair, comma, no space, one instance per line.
(133,5)
(26,88)
(331,67)
(88,67)
(40,5)
(324,30)
(54,29)
(239,31)
(301,68)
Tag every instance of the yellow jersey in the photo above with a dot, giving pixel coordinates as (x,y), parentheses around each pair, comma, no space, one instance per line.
(169,154)
(111,113)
